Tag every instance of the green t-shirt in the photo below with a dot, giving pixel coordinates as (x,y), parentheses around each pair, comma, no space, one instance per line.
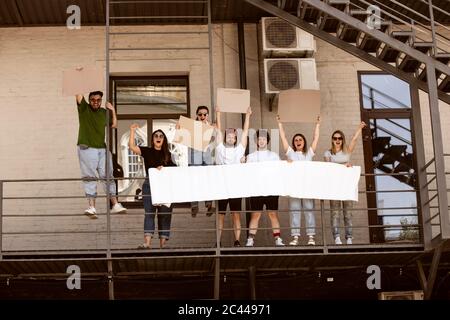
(92,126)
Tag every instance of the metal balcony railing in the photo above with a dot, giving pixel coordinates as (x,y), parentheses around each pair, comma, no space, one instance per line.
(33,222)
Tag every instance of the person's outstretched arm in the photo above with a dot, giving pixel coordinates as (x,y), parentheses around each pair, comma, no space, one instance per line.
(79,97)
(113,113)
(219,136)
(283,135)
(246,127)
(316,135)
(352,144)
(131,142)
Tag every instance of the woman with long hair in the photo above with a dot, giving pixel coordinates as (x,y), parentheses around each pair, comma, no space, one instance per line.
(340,153)
(231,151)
(155,156)
(299,151)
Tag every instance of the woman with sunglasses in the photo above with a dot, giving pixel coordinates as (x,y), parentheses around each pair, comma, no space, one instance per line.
(231,152)
(155,156)
(300,152)
(199,158)
(340,153)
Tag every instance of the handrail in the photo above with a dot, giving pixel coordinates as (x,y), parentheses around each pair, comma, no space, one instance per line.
(394,135)
(385,95)
(436,7)
(427,164)
(414,22)
(100,229)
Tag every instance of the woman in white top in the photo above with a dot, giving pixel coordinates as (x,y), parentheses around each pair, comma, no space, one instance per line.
(340,153)
(300,152)
(230,152)
(271,202)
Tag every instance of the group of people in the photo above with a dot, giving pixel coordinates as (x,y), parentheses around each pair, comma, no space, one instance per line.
(228,149)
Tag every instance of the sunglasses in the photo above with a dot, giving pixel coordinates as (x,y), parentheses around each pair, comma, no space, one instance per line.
(158,135)
(202,114)
(337,138)
(95,100)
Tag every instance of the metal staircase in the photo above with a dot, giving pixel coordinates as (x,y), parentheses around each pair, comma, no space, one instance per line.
(406,49)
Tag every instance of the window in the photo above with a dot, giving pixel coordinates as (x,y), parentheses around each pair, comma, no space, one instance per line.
(153,103)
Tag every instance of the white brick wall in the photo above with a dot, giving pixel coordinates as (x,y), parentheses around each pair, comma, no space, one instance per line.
(39,126)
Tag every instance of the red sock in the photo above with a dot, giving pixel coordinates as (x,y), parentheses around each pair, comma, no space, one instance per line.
(276,234)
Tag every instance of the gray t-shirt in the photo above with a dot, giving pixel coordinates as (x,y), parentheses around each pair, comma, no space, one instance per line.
(339,157)
(300,156)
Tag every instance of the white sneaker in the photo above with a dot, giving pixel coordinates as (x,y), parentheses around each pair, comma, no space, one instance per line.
(118,208)
(91,213)
(349,241)
(279,242)
(294,241)
(311,241)
(250,242)
(337,240)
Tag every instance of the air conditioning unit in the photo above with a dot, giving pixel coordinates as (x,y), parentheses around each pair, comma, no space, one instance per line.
(282,38)
(401,295)
(289,73)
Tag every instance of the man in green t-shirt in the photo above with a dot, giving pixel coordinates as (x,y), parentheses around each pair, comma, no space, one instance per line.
(92,149)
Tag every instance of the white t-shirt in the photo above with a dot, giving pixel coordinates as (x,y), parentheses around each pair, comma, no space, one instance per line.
(261,156)
(339,157)
(232,155)
(300,156)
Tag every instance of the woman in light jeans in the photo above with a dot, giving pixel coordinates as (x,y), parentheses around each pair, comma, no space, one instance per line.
(340,153)
(299,151)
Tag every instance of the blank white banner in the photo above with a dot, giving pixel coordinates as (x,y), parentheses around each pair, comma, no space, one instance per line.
(300,179)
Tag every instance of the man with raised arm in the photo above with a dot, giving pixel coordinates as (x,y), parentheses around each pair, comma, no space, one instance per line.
(92,149)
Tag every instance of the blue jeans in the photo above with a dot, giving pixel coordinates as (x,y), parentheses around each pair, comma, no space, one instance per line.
(164,215)
(92,162)
(336,207)
(295,206)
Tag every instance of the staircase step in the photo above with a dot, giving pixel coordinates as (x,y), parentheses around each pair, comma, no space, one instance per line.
(380,144)
(347,33)
(389,54)
(396,150)
(445,84)
(443,57)
(402,36)
(424,47)
(328,24)
(369,44)
(339,4)
(309,14)
(408,64)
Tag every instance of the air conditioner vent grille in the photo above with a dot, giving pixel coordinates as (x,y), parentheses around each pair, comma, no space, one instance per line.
(283,75)
(281,34)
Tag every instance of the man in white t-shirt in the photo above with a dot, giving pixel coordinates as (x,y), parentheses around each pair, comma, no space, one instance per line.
(257,203)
